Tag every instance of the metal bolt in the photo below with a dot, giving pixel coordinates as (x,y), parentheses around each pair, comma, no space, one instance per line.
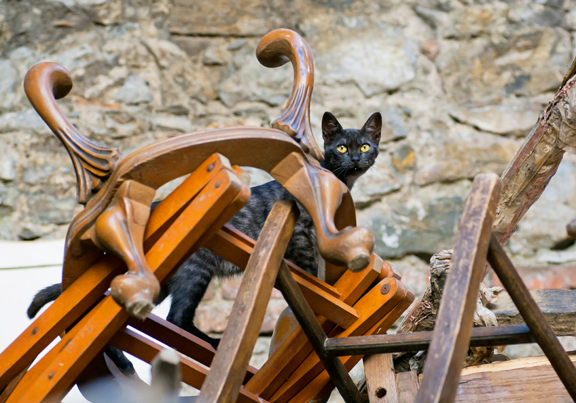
(51,375)
(210,167)
(217,185)
(35,330)
(385,289)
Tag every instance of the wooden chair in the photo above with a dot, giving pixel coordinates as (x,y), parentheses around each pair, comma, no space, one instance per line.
(117,243)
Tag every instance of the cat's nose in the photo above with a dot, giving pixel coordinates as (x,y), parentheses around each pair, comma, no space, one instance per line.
(355,158)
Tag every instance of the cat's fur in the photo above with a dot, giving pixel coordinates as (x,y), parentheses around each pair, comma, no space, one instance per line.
(190,282)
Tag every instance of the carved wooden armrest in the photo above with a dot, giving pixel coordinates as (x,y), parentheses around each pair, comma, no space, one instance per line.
(118,191)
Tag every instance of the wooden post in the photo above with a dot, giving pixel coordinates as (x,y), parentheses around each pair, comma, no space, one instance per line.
(380,378)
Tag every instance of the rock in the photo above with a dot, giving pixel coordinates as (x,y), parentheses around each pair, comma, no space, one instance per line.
(375,63)
(180,123)
(515,117)
(26,120)
(8,199)
(380,180)
(8,76)
(8,160)
(531,61)
(134,91)
(415,273)
(393,127)
(47,209)
(271,86)
(403,158)
(215,56)
(423,222)
(463,153)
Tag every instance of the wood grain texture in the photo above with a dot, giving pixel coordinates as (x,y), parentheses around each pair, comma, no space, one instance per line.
(55,373)
(407,386)
(455,317)
(296,348)
(229,365)
(558,307)
(524,380)
(380,378)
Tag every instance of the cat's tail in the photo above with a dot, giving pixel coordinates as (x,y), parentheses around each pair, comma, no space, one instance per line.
(44,296)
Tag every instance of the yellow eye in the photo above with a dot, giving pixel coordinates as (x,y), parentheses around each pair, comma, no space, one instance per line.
(365,147)
(342,149)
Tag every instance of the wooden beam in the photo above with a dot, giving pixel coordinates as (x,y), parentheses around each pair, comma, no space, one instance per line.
(526,380)
(558,306)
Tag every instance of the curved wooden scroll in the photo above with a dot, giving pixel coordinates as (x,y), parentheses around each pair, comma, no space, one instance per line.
(113,217)
(276,49)
(43,84)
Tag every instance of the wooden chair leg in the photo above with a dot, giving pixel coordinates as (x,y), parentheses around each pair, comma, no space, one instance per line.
(454,322)
(229,365)
(407,386)
(55,373)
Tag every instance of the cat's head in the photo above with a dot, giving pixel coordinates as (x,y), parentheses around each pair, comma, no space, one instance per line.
(349,153)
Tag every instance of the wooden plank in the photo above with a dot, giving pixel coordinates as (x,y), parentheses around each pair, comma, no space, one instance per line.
(558,306)
(296,347)
(372,307)
(526,380)
(455,317)
(323,299)
(55,373)
(193,374)
(321,385)
(534,318)
(229,365)
(380,378)
(407,386)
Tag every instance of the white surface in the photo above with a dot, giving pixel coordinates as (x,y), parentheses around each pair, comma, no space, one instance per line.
(31,254)
(18,287)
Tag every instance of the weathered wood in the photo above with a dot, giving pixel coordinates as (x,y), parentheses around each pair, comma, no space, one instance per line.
(525,380)
(55,373)
(455,318)
(229,365)
(558,307)
(380,378)
(237,248)
(534,318)
(407,386)
(296,348)
(418,341)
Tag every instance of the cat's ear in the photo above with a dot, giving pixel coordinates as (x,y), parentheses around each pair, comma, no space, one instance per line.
(373,127)
(330,127)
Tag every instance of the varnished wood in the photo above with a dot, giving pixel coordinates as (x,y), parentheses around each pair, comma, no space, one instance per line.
(92,333)
(316,336)
(296,347)
(93,163)
(276,49)
(229,365)
(192,373)
(237,248)
(372,307)
(380,378)
(321,386)
(120,230)
(455,318)
(526,380)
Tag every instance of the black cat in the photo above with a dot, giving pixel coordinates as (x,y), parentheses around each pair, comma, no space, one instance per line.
(348,153)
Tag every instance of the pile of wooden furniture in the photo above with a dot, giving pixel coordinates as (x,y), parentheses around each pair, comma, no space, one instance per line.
(119,252)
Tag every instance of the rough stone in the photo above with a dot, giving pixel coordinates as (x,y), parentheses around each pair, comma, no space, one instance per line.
(47,209)
(380,180)
(134,91)
(462,153)
(25,120)
(421,222)
(8,160)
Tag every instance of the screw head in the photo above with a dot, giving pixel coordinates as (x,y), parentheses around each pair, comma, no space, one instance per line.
(385,289)
(210,167)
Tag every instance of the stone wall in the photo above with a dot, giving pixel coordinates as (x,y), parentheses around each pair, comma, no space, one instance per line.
(459,84)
